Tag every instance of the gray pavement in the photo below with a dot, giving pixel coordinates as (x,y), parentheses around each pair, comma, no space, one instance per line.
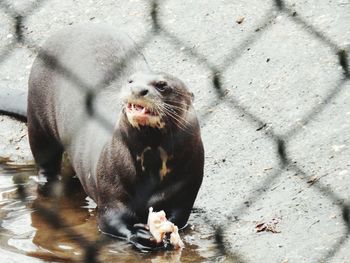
(280,77)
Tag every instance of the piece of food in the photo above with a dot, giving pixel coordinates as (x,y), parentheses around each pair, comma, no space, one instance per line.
(159,226)
(269,226)
(175,239)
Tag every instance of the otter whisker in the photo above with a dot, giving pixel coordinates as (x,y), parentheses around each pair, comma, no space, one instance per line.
(179,92)
(179,103)
(178,120)
(181,122)
(173,106)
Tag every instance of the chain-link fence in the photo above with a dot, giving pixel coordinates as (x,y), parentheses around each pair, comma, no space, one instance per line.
(281,141)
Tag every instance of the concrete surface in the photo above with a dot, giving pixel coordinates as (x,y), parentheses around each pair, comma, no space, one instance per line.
(279,73)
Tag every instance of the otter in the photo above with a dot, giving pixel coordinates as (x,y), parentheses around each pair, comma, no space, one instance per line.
(152,155)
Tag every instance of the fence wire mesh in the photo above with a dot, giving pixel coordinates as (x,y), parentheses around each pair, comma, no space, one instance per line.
(281,141)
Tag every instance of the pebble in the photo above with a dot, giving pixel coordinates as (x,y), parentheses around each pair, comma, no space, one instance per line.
(240,19)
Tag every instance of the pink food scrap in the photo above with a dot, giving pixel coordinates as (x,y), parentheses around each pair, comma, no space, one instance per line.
(159,226)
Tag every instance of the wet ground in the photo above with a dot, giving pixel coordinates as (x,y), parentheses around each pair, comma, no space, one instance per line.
(27,236)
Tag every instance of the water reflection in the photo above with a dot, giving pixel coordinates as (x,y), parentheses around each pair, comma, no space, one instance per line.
(26,235)
(76,216)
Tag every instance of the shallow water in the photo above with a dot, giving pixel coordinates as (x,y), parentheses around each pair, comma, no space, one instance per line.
(30,231)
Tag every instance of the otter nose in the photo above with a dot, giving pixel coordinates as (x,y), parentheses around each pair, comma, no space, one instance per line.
(139,91)
(143,92)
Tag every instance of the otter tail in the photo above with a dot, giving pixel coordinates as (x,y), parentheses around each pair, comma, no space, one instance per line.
(13,102)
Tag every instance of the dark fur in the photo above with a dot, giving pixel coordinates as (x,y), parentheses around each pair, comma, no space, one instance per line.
(107,162)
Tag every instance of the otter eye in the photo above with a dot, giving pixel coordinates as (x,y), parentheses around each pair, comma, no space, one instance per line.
(161,86)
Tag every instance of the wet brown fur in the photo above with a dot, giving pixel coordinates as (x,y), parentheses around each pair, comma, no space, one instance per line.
(107,163)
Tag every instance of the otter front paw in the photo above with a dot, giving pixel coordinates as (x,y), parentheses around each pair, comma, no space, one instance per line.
(143,239)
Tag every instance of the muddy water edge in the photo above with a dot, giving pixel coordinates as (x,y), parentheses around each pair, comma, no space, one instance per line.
(37,226)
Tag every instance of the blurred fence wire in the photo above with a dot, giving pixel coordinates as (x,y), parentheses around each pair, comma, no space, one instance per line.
(158,29)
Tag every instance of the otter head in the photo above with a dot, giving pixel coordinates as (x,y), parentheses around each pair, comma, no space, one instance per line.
(156,100)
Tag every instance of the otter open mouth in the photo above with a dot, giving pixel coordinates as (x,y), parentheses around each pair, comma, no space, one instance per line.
(140,110)
(141,115)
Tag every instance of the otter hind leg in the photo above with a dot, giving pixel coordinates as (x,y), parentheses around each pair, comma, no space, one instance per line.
(47,152)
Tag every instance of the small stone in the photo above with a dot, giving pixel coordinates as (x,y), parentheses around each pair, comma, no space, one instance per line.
(240,19)
(313,179)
